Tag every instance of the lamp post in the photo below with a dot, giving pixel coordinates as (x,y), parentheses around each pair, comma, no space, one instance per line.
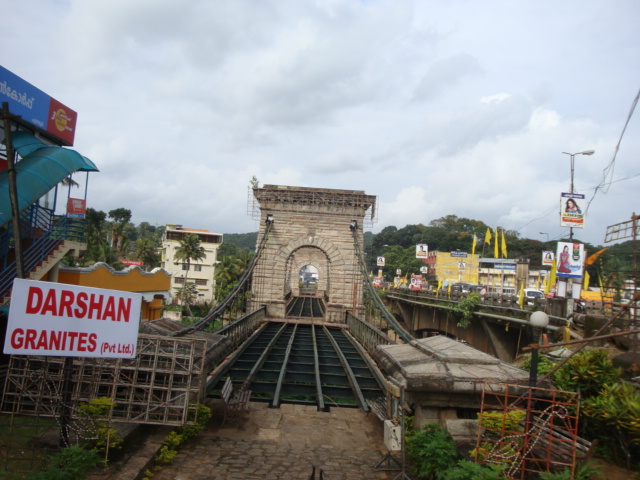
(573,155)
(545,233)
(539,321)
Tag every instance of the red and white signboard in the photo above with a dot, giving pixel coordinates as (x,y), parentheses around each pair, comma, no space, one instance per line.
(57,319)
(135,263)
(76,208)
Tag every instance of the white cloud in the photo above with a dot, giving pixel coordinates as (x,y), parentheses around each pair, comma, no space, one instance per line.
(436,108)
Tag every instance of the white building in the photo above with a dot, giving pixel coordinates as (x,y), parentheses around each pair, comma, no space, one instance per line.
(201,272)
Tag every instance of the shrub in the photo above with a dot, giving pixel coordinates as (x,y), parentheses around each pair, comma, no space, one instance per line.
(432,450)
(613,416)
(584,471)
(466,470)
(465,307)
(71,463)
(102,433)
(587,372)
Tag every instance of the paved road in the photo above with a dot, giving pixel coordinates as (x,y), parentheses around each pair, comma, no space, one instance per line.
(284,443)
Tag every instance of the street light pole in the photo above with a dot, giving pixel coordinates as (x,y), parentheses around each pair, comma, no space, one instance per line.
(573,155)
(545,233)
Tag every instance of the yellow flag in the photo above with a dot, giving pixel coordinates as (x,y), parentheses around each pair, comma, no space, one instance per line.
(566,334)
(473,245)
(552,278)
(495,245)
(487,236)
(504,246)
(449,289)
(592,258)
(521,297)
(587,277)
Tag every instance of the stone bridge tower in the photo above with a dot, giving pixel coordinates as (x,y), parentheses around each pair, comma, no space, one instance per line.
(311,227)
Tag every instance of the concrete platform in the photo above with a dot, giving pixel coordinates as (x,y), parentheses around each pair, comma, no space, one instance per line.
(284,443)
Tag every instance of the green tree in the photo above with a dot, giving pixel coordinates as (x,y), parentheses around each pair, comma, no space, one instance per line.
(147,251)
(189,250)
(119,219)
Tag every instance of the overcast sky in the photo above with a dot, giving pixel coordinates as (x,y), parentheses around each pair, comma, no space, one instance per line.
(435,107)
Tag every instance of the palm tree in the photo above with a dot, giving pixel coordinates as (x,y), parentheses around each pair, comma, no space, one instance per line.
(146,250)
(188,250)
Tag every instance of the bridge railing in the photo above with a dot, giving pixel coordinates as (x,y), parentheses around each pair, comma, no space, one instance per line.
(238,331)
(368,335)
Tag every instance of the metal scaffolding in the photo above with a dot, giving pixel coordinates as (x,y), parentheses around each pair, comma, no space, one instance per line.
(300,199)
(161,385)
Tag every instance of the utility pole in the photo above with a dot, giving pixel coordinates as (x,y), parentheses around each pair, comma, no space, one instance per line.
(13,188)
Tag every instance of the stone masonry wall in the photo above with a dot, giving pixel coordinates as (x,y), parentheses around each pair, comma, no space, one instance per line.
(316,235)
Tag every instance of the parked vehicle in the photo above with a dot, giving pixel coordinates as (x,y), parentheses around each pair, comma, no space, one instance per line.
(531,295)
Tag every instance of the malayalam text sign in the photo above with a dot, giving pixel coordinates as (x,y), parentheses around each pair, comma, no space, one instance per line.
(37,108)
(57,319)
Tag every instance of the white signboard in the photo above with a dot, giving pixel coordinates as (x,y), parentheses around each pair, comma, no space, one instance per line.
(57,319)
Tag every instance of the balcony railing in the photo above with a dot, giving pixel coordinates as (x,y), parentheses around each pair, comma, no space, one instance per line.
(41,233)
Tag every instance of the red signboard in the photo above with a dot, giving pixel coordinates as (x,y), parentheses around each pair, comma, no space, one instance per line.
(76,208)
(136,263)
(62,121)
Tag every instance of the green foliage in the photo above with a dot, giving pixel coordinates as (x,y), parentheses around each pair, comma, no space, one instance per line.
(465,307)
(432,451)
(201,415)
(587,372)
(497,420)
(584,471)
(103,434)
(544,364)
(166,455)
(614,417)
(71,463)
(466,470)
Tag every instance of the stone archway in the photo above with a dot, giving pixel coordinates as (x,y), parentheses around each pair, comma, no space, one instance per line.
(307,255)
(310,226)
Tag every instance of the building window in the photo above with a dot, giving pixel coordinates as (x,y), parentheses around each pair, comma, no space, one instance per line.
(201,282)
(197,268)
(179,281)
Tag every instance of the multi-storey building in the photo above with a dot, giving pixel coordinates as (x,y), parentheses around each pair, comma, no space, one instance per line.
(201,272)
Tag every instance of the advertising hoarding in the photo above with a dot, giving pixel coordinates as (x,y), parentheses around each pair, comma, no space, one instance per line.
(572,210)
(57,319)
(380,262)
(416,282)
(570,260)
(547,257)
(421,250)
(37,108)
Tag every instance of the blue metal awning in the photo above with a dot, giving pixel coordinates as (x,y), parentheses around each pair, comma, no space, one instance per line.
(42,167)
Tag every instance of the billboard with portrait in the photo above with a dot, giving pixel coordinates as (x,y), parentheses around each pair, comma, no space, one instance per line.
(572,210)
(570,260)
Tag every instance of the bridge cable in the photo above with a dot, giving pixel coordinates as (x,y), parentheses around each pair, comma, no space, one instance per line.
(391,321)
(224,304)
